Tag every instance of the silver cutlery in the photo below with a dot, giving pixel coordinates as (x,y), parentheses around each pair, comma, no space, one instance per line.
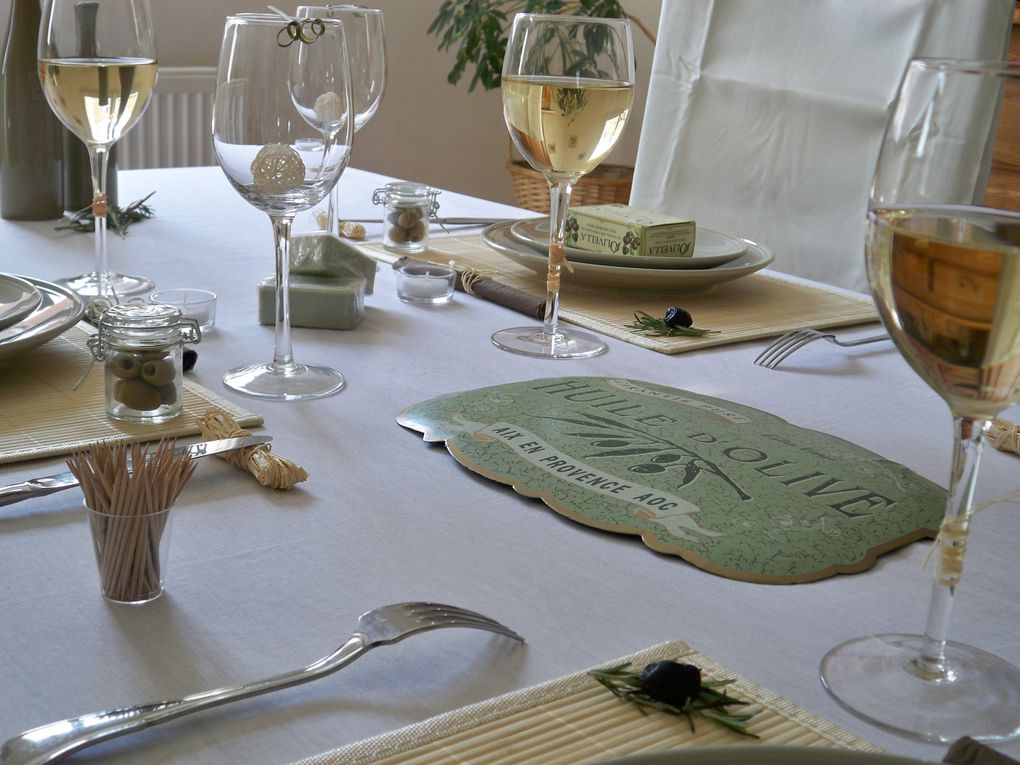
(440,221)
(40,487)
(382,626)
(780,349)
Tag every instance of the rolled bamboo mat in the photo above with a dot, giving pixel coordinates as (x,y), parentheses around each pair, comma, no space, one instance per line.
(765,304)
(41,416)
(575,720)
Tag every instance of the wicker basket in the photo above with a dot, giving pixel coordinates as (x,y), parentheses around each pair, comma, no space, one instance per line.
(604,185)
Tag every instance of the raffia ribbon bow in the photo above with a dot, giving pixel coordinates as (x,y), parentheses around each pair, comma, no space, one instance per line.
(269,469)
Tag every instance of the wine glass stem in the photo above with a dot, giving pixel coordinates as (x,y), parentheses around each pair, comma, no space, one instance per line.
(951,545)
(559,203)
(98,156)
(283,356)
(332,210)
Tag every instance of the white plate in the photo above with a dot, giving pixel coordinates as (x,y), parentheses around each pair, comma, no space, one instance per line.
(59,310)
(761,755)
(18,299)
(755,258)
(710,248)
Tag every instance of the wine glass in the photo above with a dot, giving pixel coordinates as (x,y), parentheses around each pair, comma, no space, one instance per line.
(366,52)
(97,64)
(282,133)
(943,254)
(568,84)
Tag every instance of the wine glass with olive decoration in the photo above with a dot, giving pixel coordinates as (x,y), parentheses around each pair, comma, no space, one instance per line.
(568,85)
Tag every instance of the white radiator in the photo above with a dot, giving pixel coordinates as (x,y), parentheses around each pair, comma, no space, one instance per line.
(175,130)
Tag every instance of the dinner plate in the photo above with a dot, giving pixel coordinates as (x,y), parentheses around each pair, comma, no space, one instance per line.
(59,309)
(761,755)
(755,258)
(18,299)
(711,248)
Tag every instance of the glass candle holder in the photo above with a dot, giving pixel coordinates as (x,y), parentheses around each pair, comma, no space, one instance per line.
(196,304)
(426,283)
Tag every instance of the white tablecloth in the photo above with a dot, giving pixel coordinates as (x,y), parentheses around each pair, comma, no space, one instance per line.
(260,582)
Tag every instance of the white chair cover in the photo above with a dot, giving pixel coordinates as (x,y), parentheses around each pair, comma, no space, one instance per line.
(765,117)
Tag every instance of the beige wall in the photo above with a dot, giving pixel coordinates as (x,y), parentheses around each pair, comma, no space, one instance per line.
(425,129)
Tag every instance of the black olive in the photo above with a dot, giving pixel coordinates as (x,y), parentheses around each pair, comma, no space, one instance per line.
(677,317)
(189,358)
(671,682)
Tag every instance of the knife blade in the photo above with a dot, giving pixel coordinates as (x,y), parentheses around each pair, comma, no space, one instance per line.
(441,221)
(40,487)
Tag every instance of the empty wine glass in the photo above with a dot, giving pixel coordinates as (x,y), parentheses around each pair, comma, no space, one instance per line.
(366,52)
(943,254)
(568,84)
(97,64)
(282,133)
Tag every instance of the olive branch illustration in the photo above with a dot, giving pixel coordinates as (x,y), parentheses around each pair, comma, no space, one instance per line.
(618,439)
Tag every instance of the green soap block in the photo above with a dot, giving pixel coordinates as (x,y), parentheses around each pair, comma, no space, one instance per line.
(320,302)
(322,254)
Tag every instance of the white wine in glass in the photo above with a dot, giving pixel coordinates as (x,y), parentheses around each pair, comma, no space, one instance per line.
(97,64)
(366,54)
(943,254)
(568,85)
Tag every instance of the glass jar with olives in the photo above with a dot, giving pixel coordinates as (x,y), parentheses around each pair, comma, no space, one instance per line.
(408,209)
(140,346)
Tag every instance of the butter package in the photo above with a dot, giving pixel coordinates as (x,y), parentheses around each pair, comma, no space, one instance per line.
(319,302)
(623,230)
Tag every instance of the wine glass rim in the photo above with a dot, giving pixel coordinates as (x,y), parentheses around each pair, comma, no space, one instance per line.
(342,7)
(563,19)
(968,66)
(269,18)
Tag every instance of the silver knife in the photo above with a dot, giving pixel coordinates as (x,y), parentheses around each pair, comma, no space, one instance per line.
(40,487)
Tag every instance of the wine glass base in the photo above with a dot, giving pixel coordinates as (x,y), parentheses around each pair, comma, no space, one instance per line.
(533,341)
(875,678)
(117,285)
(284,382)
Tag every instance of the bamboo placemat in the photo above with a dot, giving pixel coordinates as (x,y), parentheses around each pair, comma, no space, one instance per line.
(764,304)
(41,416)
(574,720)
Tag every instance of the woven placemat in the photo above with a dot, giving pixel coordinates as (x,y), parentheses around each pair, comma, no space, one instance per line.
(764,304)
(41,416)
(574,720)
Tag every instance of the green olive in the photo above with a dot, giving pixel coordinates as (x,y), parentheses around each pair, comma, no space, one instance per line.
(393,217)
(168,394)
(138,395)
(418,232)
(158,373)
(408,218)
(397,234)
(126,365)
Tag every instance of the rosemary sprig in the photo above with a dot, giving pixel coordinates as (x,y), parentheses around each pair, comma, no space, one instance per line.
(645,322)
(117,219)
(711,702)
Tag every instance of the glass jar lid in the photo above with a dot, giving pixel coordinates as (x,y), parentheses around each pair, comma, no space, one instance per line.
(148,325)
(407,193)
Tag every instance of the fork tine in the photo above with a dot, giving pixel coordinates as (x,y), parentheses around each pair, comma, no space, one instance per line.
(766,357)
(442,614)
(804,340)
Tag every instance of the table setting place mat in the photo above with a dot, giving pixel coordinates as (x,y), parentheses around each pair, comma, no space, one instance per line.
(574,719)
(760,305)
(42,416)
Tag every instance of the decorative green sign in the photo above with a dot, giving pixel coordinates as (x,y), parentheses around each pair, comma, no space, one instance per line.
(731,489)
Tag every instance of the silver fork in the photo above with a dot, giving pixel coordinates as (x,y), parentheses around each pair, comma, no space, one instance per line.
(775,353)
(382,626)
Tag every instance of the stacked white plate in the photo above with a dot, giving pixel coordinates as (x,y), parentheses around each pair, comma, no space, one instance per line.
(717,258)
(33,311)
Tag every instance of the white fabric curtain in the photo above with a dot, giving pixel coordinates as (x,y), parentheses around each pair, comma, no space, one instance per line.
(765,117)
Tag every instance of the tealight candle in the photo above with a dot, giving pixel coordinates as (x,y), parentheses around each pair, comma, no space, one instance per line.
(199,305)
(427,283)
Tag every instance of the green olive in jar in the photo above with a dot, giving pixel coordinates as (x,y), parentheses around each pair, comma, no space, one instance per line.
(126,365)
(409,217)
(138,395)
(168,394)
(158,373)
(397,234)
(417,232)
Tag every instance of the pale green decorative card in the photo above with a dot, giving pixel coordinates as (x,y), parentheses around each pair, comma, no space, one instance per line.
(731,489)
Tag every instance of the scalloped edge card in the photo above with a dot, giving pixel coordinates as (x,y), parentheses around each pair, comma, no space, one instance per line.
(731,489)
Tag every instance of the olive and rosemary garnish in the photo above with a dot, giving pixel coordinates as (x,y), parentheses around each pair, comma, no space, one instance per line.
(677,689)
(676,321)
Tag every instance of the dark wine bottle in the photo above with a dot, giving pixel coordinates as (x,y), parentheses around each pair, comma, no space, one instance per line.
(77,188)
(30,152)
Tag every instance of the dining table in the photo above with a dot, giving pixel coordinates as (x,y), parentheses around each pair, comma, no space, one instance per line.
(263,581)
